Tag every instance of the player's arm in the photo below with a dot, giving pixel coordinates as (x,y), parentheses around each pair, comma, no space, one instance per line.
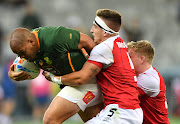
(17,76)
(148,84)
(86,42)
(88,71)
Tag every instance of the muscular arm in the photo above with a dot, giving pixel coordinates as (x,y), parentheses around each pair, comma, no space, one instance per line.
(88,71)
(86,42)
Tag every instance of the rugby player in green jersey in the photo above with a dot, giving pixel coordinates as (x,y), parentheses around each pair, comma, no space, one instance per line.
(59,50)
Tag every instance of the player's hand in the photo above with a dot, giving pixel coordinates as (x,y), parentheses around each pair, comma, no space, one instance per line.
(47,76)
(51,77)
(17,76)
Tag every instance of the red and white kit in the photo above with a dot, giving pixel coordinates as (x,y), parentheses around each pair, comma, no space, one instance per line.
(153,100)
(117,80)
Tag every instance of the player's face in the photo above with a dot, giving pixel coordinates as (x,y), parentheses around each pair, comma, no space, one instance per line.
(136,59)
(27,51)
(97,33)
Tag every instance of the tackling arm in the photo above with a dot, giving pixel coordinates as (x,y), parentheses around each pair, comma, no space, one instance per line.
(88,71)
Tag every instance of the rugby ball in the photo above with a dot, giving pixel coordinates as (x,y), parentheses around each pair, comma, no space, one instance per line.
(21,64)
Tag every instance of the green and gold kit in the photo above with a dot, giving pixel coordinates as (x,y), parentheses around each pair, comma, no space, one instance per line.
(59,52)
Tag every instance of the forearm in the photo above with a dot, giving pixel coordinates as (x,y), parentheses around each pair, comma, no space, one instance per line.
(76,78)
(73,79)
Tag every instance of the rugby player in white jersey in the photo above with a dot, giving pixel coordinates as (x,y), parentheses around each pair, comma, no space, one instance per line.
(150,83)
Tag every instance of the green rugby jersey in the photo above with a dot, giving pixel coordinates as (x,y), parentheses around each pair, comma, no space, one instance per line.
(59,52)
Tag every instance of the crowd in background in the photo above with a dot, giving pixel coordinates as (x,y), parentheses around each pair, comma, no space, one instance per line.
(31,97)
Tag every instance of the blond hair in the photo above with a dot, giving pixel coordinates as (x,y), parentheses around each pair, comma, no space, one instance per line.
(144,48)
(111,16)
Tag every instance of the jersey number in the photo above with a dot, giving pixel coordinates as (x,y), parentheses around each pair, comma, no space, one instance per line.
(132,66)
(112,112)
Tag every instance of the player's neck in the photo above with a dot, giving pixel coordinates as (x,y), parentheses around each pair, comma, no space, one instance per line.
(109,36)
(143,68)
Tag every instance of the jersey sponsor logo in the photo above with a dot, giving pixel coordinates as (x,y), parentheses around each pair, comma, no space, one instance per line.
(121,45)
(88,97)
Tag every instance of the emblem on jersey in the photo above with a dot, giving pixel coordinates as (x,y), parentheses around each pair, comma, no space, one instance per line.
(70,36)
(88,97)
(41,62)
(48,61)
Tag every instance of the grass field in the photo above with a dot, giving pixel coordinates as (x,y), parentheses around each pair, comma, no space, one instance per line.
(173,120)
(25,122)
(32,122)
(28,120)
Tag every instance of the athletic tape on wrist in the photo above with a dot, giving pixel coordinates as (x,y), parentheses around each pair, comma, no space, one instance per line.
(100,23)
(54,79)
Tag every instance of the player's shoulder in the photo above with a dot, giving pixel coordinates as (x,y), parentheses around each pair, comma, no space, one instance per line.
(107,44)
(101,48)
(149,79)
(51,28)
(150,74)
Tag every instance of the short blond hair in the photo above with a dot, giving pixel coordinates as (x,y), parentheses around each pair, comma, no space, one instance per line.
(143,47)
(112,16)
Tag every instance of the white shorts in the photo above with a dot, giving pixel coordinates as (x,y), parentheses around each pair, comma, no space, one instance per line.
(112,114)
(85,95)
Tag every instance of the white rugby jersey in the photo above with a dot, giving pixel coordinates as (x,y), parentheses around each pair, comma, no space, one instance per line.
(153,100)
(117,77)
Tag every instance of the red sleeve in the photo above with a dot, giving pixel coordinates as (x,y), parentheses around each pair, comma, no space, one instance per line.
(141,91)
(96,63)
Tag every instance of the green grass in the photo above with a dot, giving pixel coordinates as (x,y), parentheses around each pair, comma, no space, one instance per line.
(28,120)
(32,122)
(173,120)
(25,122)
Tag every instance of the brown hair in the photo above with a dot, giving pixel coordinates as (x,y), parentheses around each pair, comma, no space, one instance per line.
(144,48)
(111,17)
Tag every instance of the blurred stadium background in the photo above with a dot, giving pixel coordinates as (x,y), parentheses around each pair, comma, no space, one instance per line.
(157,21)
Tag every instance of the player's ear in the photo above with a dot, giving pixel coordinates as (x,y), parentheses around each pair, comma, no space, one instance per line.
(143,59)
(106,34)
(31,41)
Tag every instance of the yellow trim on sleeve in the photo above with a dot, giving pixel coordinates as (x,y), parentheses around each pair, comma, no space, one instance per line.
(70,63)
